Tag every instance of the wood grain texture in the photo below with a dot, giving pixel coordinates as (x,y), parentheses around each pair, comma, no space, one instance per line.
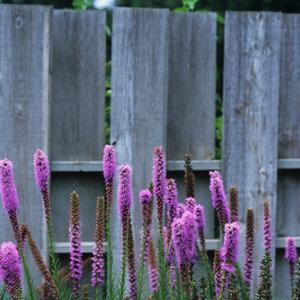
(24,102)
(251,96)
(139,97)
(192,85)
(77,124)
(288,214)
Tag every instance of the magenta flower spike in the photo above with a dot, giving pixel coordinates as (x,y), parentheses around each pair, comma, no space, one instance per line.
(125,189)
(190,203)
(267,228)
(229,251)
(290,250)
(41,169)
(200,216)
(180,210)
(159,183)
(11,269)
(109,162)
(218,197)
(145,196)
(10,199)
(172,202)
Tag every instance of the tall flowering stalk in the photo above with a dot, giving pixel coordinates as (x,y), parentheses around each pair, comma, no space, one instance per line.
(10,203)
(218,198)
(291,257)
(124,204)
(200,220)
(98,272)
(75,244)
(190,203)
(152,269)
(229,252)
(184,236)
(189,177)
(159,183)
(233,204)
(11,270)
(264,291)
(249,248)
(217,272)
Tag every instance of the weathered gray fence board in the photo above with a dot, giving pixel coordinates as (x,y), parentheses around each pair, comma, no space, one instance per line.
(288,214)
(139,98)
(192,91)
(88,186)
(251,93)
(77,124)
(24,101)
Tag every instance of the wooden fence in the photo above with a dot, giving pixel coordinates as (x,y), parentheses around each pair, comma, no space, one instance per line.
(52,96)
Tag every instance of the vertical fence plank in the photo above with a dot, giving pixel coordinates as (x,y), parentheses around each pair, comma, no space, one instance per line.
(288,215)
(24,101)
(139,97)
(78,114)
(251,93)
(192,92)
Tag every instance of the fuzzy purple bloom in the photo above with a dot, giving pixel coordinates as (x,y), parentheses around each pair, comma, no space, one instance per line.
(145,196)
(10,268)
(190,203)
(180,210)
(290,250)
(125,189)
(267,228)
(229,251)
(10,199)
(109,162)
(159,172)
(200,216)
(184,236)
(41,169)
(218,197)
(171,198)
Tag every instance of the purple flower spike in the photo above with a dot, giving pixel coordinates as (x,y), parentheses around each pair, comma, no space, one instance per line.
(218,197)
(290,250)
(125,189)
(229,251)
(267,228)
(41,169)
(190,203)
(200,216)
(109,162)
(180,210)
(171,198)
(10,199)
(11,269)
(145,197)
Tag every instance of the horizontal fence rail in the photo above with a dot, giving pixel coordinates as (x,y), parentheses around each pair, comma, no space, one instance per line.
(52,96)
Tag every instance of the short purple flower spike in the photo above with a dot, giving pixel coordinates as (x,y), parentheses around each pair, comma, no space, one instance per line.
(41,169)
(218,197)
(229,251)
(145,196)
(171,198)
(10,199)
(200,216)
(125,188)
(10,269)
(159,172)
(109,162)
(290,250)
(267,227)
(190,203)
(180,210)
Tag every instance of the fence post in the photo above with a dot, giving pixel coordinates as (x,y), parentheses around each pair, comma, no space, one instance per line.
(139,98)
(251,96)
(24,103)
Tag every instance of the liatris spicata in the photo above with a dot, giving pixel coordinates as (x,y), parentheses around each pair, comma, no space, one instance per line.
(75,244)
(200,220)
(109,162)
(291,257)
(180,210)
(189,177)
(218,198)
(159,183)
(264,291)
(146,201)
(172,203)
(11,269)
(217,272)
(51,287)
(98,271)
(190,203)
(124,204)
(249,248)
(152,269)
(10,199)
(233,204)
(229,251)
